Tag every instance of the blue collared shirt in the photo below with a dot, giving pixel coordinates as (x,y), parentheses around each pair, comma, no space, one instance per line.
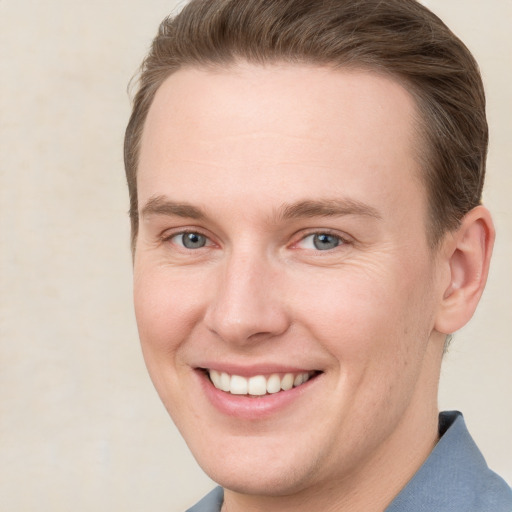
(454,478)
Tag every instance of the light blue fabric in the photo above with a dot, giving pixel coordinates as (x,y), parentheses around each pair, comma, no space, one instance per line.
(212,502)
(455,478)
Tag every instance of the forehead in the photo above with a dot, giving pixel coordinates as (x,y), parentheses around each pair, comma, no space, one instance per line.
(279,128)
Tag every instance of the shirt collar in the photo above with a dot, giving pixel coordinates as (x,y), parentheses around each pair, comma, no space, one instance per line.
(455,476)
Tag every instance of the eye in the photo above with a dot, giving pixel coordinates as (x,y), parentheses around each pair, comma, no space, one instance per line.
(321,241)
(190,240)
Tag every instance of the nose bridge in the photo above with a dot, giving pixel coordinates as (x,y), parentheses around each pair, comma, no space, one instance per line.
(246,305)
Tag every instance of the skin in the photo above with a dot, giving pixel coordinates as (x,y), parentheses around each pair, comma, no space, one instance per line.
(241,145)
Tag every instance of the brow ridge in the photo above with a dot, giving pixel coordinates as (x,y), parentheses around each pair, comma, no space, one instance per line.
(307,208)
(161,205)
(326,208)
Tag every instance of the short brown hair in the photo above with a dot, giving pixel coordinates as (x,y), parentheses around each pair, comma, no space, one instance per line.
(400,38)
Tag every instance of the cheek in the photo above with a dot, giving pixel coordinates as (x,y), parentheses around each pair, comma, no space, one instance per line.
(377,334)
(370,319)
(166,308)
(349,305)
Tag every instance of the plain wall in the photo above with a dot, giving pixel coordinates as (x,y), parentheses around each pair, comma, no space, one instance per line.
(81,427)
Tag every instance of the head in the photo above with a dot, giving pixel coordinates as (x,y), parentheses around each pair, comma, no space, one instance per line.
(304,181)
(398,38)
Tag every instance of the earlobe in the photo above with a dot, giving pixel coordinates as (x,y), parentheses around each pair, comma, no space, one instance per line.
(467,257)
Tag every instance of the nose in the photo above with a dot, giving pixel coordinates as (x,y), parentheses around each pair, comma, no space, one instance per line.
(247,304)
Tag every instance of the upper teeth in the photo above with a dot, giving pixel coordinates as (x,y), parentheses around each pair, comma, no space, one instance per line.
(257,385)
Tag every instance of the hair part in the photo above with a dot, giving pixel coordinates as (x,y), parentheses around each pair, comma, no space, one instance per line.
(399,38)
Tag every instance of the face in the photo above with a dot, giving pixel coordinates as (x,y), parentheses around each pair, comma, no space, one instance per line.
(284,289)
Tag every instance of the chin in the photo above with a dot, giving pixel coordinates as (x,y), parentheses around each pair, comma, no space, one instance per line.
(260,469)
(270,481)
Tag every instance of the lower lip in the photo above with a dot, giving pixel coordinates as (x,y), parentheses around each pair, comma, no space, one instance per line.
(252,408)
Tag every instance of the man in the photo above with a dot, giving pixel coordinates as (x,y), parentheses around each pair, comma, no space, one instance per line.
(305,180)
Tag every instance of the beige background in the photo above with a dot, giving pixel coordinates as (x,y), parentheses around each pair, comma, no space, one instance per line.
(80,426)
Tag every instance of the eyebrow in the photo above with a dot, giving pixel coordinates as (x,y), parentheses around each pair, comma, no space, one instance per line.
(161,205)
(326,208)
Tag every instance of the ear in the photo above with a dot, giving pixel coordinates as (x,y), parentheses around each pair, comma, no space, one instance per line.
(466,254)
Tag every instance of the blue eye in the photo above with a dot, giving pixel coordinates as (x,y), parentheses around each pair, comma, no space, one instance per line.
(324,241)
(321,241)
(191,240)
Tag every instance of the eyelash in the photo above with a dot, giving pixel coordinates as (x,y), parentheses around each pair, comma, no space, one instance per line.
(169,237)
(341,241)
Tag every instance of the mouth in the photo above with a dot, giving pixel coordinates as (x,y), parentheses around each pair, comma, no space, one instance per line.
(258,385)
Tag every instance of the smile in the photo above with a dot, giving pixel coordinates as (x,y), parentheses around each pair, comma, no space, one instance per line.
(258,385)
